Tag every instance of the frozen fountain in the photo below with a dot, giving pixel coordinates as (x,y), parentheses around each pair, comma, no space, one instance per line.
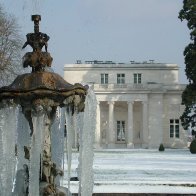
(33,112)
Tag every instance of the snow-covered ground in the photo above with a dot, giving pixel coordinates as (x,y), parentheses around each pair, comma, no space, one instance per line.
(141,171)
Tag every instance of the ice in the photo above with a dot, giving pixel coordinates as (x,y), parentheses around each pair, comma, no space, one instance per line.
(23,139)
(86,146)
(69,142)
(57,139)
(84,125)
(35,152)
(7,146)
(79,118)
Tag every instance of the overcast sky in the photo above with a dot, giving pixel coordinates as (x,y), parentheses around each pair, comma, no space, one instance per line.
(117,30)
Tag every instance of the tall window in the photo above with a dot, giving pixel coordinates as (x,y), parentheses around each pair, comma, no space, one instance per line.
(120,131)
(137,78)
(104,78)
(174,128)
(120,78)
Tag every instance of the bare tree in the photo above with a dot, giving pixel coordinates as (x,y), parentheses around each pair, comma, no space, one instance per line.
(10,48)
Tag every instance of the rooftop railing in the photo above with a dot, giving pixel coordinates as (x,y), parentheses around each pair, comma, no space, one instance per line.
(143,86)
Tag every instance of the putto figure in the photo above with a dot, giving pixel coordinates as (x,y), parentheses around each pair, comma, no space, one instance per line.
(37,41)
(37,59)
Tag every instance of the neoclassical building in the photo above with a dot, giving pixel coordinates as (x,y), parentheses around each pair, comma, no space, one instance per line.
(139,104)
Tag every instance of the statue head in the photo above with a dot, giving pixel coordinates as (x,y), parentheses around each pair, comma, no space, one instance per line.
(36,18)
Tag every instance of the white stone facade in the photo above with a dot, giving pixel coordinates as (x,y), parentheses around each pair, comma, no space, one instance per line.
(139,104)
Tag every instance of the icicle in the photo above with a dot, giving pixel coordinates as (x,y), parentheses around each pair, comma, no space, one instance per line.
(22,144)
(35,152)
(69,142)
(57,137)
(42,140)
(62,140)
(7,144)
(15,147)
(23,139)
(2,160)
(79,125)
(86,146)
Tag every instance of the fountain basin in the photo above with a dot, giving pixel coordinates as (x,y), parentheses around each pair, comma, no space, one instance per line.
(29,87)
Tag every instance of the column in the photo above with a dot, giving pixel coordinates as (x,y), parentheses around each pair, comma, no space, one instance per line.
(130,125)
(110,133)
(98,124)
(161,120)
(145,124)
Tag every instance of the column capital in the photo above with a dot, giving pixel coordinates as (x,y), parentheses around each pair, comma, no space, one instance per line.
(130,102)
(111,102)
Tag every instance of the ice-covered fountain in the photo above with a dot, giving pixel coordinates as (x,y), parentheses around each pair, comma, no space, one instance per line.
(33,112)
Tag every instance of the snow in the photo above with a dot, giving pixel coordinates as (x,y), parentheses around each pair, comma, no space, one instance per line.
(141,171)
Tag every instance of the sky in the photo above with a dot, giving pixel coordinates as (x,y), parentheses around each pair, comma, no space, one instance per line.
(114,30)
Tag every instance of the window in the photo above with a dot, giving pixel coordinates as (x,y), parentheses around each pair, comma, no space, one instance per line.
(104,78)
(120,78)
(120,131)
(174,128)
(137,78)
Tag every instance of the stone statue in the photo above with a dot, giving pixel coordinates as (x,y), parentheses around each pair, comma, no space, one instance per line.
(54,173)
(46,171)
(49,190)
(37,41)
(37,59)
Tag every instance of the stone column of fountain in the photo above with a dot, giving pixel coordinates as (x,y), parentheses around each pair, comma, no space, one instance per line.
(39,93)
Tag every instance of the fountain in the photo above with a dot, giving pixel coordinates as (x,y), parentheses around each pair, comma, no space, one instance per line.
(33,110)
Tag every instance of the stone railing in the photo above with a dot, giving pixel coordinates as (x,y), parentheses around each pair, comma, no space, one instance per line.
(145,86)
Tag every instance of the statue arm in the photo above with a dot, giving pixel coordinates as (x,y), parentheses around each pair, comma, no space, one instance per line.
(46,47)
(25,44)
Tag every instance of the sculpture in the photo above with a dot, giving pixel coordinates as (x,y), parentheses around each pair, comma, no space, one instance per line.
(37,59)
(39,94)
